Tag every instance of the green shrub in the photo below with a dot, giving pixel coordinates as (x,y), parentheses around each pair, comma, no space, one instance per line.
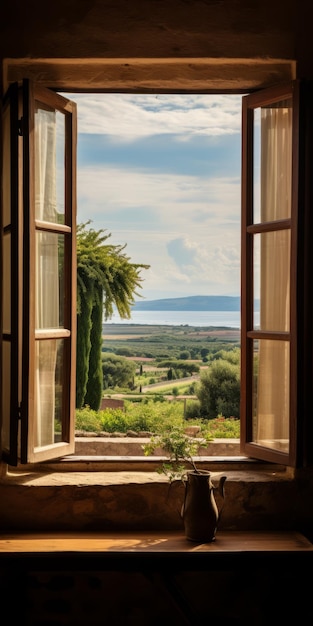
(88,420)
(224,428)
(193,409)
(153,416)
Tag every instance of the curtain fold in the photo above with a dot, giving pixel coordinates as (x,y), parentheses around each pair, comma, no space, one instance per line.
(47,274)
(272,403)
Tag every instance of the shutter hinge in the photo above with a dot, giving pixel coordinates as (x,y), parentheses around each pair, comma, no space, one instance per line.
(21,126)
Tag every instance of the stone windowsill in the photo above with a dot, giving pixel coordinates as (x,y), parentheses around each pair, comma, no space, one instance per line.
(127,493)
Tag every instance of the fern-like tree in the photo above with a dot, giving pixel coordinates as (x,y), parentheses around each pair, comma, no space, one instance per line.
(105,278)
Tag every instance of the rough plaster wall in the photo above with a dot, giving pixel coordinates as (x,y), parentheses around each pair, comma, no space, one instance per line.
(151,28)
(156,29)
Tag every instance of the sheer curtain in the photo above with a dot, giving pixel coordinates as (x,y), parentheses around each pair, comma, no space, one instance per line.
(47,274)
(272,403)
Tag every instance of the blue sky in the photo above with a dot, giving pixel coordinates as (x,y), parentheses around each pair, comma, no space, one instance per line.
(161,173)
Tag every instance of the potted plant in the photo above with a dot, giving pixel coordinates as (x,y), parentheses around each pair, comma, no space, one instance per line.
(199,510)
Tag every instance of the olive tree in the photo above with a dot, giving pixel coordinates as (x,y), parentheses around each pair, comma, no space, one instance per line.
(117,371)
(219,390)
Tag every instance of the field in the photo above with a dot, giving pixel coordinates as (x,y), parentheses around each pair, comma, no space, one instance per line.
(156,342)
(148,392)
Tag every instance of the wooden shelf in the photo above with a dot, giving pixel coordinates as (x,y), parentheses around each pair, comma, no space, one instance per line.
(151,549)
(151,542)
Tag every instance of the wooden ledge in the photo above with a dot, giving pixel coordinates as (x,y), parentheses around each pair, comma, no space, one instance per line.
(151,549)
(162,542)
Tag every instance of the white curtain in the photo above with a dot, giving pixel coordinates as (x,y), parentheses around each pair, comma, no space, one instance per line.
(272,402)
(47,274)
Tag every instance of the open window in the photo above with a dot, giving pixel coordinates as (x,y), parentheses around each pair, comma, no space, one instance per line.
(39,288)
(39,295)
(274,272)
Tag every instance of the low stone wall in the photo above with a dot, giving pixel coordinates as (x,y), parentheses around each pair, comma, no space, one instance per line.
(133,446)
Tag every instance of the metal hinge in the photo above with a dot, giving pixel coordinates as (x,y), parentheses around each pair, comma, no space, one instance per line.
(21,126)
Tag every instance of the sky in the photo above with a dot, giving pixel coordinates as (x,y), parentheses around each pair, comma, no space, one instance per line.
(161,173)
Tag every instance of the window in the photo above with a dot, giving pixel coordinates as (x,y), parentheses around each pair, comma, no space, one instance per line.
(269,232)
(274,247)
(39,290)
(274,250)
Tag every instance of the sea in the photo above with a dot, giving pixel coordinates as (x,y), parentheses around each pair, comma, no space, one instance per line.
(229,319)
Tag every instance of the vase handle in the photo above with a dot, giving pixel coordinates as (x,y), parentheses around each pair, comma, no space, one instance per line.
(221,486)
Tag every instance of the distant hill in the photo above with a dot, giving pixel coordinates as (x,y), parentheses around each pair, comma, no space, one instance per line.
(190,303)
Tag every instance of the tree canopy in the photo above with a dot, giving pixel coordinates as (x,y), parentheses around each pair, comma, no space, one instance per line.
(108,269)
(106,278)
(117,370)
(219,389)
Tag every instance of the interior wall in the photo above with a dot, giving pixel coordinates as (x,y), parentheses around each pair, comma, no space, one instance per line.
(254,31)
(154,28)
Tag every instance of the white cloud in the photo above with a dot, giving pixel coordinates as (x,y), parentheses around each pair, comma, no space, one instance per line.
(187,227)
(179,200)
(129,116)
(176,208)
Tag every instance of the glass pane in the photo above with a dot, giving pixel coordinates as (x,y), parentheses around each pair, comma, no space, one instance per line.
(48,391)
(6,184)
(49,280)
(272,161)
(49,164)
(271,394)
(6,283)
(6,387)
(271,266)
(256,281)
(256,165)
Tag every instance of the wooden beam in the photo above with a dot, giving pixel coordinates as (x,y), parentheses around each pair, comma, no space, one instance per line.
(194,75)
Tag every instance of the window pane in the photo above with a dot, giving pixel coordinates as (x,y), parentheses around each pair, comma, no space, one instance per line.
(6,387)
(49,165)
(256,165)
(6,169)
(272,161)
(49,390)
(6,283)
(272,280)
(271,394)
(49,280)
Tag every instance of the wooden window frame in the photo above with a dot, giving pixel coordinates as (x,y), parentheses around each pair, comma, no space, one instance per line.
(301,428)
(300,451)
(24,225)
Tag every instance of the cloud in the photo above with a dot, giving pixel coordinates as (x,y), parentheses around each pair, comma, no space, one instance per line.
(146,211)
(195,259)
(162,175)
(182,251)
(129,116)
(105,191)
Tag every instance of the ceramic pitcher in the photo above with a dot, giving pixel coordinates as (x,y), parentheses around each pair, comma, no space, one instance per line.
(199,512)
